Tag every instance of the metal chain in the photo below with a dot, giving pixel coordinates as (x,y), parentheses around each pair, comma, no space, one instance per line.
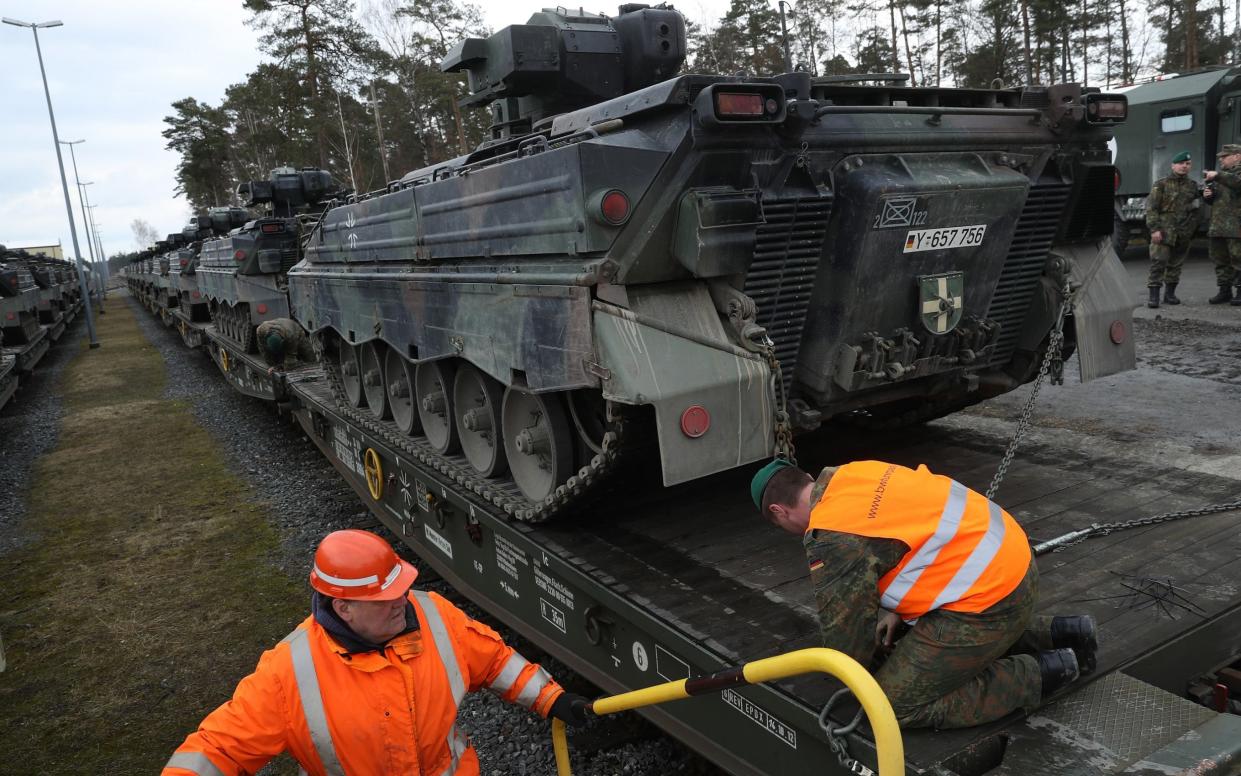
(1103,529)
(836,735)
(784,429)
(1053,363)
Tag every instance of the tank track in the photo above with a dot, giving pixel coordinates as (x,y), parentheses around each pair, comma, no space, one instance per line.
(502,493)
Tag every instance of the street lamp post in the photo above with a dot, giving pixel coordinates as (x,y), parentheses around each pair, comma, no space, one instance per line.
(60,162)
(81,204)
(92,236)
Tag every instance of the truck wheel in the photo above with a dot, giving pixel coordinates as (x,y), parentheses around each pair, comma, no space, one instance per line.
(1120,237)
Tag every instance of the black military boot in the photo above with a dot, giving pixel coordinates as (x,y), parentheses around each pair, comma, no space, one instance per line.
(1080,634)
(1058,667)
(1169,294)
(1224,295)
(1153,301)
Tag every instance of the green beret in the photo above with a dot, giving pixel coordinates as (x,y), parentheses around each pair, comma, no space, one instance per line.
(275,344)
(764,475)
(1183,156)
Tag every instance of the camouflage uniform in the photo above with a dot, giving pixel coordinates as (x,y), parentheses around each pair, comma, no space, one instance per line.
(1225,228)
(950,670)
(296,343)
(1171,208)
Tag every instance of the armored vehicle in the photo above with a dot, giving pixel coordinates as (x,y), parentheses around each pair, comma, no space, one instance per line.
(167,288)
(1195,112)
(24,337)
(707,262)
(243,273)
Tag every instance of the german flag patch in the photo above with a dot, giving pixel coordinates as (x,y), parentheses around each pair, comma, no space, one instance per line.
(816,564)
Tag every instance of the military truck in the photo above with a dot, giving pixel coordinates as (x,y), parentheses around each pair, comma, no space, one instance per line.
(1195,112)
(705,264)
(242,274)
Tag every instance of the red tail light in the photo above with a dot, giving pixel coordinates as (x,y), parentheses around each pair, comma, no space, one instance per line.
(615,207)
(240,255)
(185,262)
(262,309)
(272,228)
(196,295)
(739,104)
(1116,178)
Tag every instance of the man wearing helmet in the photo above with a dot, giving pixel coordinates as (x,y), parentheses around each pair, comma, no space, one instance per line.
(370,682)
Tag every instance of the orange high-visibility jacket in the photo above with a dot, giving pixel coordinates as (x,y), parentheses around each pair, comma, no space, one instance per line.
(365,714)
(966,553)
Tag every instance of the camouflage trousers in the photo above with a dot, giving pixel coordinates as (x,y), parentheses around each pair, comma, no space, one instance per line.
(1226,253)
(955,669)
(1166,261)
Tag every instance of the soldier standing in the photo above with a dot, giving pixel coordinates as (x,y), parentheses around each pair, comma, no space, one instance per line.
(1223,191)
(1172,218)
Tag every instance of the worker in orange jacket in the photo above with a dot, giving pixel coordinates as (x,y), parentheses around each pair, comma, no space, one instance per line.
(889,545)
(370,682)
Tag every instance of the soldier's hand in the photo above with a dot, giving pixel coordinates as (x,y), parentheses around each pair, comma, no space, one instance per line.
(1209,174)
(1208,192)
(571,709)
(1157,237)
(885,631)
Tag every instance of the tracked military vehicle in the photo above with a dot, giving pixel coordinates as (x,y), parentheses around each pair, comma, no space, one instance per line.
(710,263)
(166,282)
(243,273)
(193,306)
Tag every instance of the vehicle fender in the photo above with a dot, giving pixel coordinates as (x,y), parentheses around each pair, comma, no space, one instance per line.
(672,353)
(1102,309)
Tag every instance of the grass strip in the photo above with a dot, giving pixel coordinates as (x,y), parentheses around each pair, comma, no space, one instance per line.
(148,589)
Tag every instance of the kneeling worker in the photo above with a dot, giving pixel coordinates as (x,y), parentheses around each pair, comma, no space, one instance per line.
(887,543)
(370,682)
(281,338)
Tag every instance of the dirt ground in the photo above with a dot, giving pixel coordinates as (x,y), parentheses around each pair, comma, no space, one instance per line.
(113,624)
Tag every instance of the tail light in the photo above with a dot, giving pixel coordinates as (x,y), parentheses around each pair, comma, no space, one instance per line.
(273,228)
(730,104)
(1116,179)
(240,255)
(609,207)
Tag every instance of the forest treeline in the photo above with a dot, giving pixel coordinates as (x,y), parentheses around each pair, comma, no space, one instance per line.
(355,87)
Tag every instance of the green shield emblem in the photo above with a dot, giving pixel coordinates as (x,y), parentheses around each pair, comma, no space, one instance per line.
(941,300)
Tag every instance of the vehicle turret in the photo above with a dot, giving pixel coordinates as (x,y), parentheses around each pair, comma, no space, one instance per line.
(558,62)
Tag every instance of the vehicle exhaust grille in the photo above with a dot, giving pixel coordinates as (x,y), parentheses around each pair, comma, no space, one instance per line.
(787,248)
(1027,257)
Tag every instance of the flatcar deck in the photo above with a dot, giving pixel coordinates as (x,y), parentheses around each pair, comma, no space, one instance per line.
(683,581)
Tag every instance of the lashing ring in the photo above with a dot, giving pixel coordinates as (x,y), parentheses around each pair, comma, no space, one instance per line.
(374,470)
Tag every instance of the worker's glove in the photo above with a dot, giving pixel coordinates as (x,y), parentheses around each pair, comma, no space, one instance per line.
(571,709)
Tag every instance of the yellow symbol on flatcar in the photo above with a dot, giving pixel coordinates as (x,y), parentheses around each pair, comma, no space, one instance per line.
(374,473)
(224,359)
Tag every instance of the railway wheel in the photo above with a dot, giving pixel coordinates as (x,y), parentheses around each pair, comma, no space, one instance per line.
(538,439)
(370,363)
(476,401)
(399,387)
(433,388)
(351,374)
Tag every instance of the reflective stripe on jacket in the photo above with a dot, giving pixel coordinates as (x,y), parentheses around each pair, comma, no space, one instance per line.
(389,712)
(966,553)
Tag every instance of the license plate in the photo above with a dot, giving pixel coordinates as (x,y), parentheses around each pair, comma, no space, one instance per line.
(919,240)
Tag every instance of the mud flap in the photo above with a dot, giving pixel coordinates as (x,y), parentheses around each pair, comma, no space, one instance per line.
(713,401)
(1102,310)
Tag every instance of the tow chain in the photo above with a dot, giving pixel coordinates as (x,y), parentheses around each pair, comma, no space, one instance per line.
(1053,363)
(1103,529)
(836,735)
(784,429)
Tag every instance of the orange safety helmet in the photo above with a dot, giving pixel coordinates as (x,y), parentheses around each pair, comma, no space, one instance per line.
(360,566)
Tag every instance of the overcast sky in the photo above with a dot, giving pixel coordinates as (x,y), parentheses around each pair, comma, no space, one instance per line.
(114,69)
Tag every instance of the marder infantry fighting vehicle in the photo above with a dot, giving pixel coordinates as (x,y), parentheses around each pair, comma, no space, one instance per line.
(243,274)
(637,255)
(193,306)
(167,288)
